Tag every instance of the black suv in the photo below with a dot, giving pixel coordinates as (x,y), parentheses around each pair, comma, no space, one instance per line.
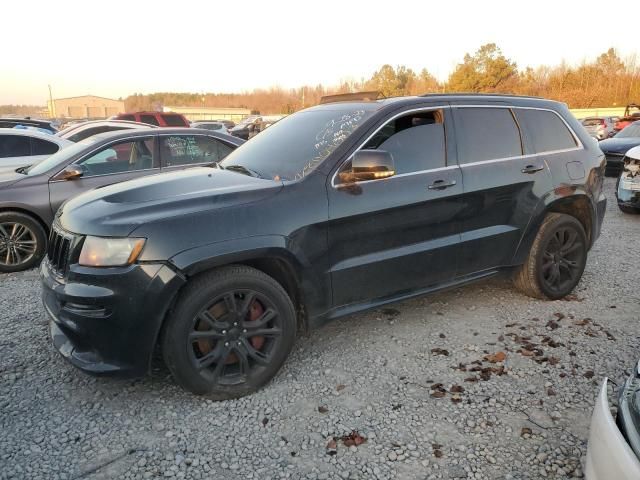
(339,208)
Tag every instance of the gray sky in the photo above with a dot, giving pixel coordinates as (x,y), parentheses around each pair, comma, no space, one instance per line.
(116,48)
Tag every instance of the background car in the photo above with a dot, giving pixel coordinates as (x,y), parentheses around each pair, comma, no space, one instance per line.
(616,147)
(227,123)
(29,198)
(78,132)
(599,127)
(211,125)
(631,114)
(628,186)
(19,148)
(11,122)
(159,119)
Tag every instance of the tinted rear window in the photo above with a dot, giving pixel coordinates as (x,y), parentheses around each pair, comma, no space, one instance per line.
(127,117)
(544,131)
(486,134)
(42,147)
(173,120)
(150,119)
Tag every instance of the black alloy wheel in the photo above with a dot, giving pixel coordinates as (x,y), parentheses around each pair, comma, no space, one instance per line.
(229,333)
(234,336)
(556,260)
(563,259)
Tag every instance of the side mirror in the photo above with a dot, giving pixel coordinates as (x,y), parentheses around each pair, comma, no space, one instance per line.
(369,165)
(71,172)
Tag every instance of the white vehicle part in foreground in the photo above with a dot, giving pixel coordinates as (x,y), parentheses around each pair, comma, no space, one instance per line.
(609,457)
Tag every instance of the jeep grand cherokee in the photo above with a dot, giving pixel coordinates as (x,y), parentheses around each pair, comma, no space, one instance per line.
(338,208)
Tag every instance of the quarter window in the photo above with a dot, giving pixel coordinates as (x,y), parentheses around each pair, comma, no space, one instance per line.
(191,149)
(544,131)
(42,147)
(486,134)
(121,157)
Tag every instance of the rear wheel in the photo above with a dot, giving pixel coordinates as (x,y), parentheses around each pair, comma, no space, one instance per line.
(22,242)
(556,260)
(229,333)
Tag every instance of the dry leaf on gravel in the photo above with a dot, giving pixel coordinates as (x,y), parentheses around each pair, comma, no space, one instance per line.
(323,409)
(354,438)
(440,351)
(496,357)
(525,431)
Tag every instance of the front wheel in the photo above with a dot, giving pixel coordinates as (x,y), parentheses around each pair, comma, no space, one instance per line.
(229,333)
(556,260)
(22,242)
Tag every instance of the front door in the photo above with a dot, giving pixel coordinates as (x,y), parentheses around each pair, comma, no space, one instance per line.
(113,163)
(393,236)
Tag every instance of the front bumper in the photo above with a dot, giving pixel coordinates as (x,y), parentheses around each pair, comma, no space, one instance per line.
(628,197)
(608,453)
(106,320)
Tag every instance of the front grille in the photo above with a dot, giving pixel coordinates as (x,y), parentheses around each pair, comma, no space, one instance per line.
(59,250)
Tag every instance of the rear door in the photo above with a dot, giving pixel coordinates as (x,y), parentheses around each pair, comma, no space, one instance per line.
(397,235)
(502,185)
(179,151)
(113,163)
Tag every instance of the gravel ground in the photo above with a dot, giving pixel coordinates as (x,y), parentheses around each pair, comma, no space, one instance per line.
(416,380)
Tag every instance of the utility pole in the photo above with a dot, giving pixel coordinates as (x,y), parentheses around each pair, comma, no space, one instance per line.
(52,108)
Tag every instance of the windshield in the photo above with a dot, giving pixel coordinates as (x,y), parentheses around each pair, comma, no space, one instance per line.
(297,144)
(632,130)
(58,158)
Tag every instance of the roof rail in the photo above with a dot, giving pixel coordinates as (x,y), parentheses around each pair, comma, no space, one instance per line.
(350,97)
(472,94)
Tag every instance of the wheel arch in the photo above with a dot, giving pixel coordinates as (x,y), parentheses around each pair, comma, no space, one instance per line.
(579,205)
(30,213)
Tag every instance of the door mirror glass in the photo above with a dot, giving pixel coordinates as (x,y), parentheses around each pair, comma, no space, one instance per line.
(71,172)
(369,165)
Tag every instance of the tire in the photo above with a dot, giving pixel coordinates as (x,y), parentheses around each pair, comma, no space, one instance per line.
(212,350)
(559,251)
(630,210)
(23,242)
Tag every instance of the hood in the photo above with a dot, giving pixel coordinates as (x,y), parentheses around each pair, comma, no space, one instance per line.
(117,210)
(618,145)
(9,176)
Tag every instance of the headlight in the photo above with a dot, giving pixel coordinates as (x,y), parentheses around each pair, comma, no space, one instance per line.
(110,252)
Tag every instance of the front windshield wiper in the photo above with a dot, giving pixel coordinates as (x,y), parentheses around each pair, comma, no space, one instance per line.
(241,169)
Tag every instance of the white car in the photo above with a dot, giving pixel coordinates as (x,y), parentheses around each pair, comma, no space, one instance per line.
(613,452)
(22,147)
(80,131)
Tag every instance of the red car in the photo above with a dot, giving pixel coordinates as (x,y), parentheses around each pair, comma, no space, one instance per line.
(159,119)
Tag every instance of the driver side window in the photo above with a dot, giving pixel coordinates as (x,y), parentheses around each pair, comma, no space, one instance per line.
(121,157)
(415,141)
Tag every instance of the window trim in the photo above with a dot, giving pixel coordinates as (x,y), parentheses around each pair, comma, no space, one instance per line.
(394,117)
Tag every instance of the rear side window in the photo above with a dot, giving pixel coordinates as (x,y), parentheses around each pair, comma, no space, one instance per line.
(14,146)
(174,120)
(42,147)
(150,119)
(191,149)
(544,131)
(127,117)
(486,134)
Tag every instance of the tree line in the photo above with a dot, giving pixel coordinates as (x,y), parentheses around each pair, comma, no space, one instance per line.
(606,81)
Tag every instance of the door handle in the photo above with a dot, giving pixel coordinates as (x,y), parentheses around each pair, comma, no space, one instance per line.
(441,185)
(532,169)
